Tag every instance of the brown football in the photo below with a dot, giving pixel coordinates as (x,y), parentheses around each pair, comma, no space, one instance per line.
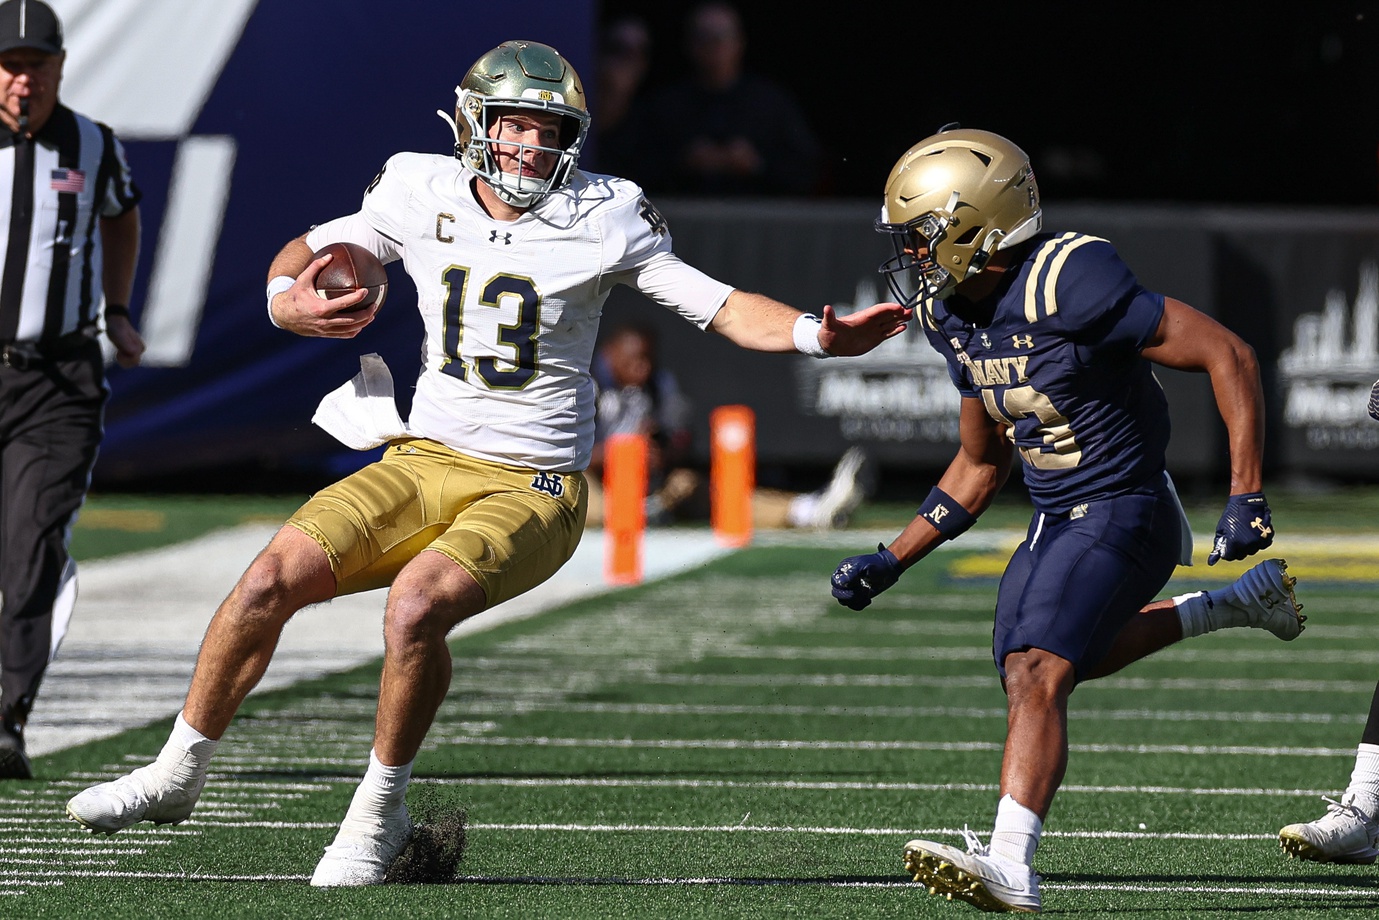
(351,267)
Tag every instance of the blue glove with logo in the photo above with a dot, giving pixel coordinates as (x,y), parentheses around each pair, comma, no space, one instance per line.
(860,578)
(1245,528)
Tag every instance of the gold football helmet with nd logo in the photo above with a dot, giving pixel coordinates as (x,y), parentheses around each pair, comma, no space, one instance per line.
(524,76)
(951,201)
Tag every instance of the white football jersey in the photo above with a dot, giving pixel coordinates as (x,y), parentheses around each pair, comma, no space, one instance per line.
(512,308)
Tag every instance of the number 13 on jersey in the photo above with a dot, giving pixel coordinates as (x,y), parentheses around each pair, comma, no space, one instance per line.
(513,294)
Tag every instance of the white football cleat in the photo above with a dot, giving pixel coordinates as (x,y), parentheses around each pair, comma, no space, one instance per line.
(1264,599)
(1345,834)
(152,793)
(363,850)
(989,882)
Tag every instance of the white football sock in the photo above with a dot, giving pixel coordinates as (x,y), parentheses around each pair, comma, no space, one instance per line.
(1364,779)
(383,789)
(187,752)
(1207,611)
(1017,832)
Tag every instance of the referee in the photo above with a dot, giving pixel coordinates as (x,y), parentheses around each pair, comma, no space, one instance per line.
(72,213)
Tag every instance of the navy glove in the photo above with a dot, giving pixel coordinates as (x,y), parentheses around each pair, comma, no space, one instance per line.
(1245,528)
(860,578)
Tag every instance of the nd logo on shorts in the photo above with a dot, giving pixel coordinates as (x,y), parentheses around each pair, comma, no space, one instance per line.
(552,484)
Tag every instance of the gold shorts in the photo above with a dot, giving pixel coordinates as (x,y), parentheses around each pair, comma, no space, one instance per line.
(510,528)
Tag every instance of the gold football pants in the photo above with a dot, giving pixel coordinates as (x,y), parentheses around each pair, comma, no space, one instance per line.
(510,528)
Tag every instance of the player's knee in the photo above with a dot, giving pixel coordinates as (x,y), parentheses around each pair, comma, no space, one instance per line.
(272,585)
(1038,678)
(418,615)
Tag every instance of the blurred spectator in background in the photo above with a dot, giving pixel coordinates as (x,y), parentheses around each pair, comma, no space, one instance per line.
(624,57)
(721,131)
(637,396)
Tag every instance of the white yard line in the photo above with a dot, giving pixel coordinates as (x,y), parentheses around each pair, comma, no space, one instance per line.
(128,656)
(132,644)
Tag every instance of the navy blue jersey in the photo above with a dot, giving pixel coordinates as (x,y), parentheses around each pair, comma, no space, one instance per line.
(1060,365)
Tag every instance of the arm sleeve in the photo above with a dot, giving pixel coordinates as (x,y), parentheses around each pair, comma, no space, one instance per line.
(379,222)
(357,229)
(637,236)
(679,287)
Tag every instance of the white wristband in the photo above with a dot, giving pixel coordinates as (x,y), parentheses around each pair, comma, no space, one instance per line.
(275,287)
(806,333)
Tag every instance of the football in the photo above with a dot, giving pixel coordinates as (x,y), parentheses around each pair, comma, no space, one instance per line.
(351,267)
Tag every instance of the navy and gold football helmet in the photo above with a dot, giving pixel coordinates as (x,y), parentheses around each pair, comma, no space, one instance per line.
(526,76)
(951,201)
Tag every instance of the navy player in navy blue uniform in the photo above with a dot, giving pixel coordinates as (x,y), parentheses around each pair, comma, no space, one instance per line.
(1051,341)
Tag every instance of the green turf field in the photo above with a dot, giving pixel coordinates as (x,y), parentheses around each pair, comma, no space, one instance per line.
(732,743)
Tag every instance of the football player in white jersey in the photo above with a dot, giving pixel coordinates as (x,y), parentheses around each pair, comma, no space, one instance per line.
(479,496)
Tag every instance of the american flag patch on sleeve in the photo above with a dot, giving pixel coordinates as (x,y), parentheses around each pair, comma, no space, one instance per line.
(68,180)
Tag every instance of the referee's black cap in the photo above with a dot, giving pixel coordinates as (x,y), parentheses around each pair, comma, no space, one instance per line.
(29,24)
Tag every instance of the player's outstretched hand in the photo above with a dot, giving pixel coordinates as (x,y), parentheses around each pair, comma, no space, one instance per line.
(860,578)
(301,310)
(1245,528)
(860,332)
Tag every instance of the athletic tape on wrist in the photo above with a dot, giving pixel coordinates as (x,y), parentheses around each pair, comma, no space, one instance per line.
(947,516)
(806,335)
(275,287)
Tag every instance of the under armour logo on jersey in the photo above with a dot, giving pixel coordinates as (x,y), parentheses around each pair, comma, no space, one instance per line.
(653,218)
(551,483)
(1022,341)
(1259,525)
(494,236)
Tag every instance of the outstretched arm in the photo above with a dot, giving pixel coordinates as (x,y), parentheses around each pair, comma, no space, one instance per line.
(760,323)
(1189,340)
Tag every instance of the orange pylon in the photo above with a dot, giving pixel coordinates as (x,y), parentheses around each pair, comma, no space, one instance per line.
(732,473)
(624,514)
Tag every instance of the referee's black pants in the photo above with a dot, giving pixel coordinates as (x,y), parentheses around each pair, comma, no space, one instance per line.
(51,422)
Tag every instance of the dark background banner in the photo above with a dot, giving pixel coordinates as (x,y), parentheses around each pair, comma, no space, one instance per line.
(1292,284)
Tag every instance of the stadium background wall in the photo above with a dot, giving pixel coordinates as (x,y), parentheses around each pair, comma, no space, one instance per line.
(236,157)
(1301,287)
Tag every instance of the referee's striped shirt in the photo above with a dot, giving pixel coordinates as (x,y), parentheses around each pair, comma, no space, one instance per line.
(53,190)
